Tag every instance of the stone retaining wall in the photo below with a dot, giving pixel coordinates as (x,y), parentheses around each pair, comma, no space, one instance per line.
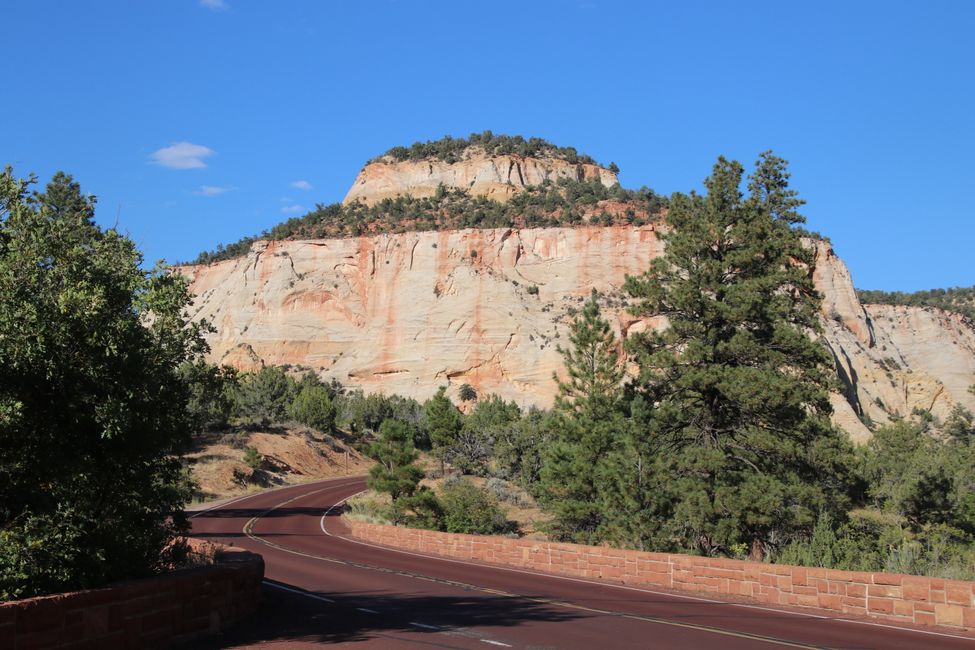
(890,597)
(151,613)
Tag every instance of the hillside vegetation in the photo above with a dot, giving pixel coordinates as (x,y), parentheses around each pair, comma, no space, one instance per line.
(565,202)
(449,149)
(960,300)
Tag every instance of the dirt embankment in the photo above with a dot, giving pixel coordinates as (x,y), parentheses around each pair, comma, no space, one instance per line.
(289,455)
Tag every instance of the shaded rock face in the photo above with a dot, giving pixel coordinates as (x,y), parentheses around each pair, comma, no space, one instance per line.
(406,313)
(496,177)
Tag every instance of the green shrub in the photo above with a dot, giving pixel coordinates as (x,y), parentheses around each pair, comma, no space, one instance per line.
(313,407)
(253,458)
(470,509)
(467,393)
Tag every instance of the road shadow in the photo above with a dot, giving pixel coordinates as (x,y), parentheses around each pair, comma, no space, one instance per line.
(264,513)
(286,617)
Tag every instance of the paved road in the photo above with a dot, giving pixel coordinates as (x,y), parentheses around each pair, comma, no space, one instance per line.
(325,588)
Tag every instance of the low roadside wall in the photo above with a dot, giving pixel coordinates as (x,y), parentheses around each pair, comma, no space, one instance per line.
(886,596)
(151,613)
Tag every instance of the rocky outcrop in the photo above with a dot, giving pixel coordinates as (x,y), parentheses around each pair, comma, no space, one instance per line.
(406,313)
(496,177)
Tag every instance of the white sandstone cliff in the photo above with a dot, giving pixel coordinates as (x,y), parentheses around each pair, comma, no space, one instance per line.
(406,313)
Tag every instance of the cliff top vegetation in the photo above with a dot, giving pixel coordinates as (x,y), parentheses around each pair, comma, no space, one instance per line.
(565,202)
(960,300)
(450,149)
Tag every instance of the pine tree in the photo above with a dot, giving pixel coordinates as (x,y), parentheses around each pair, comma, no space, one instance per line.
(592,365)
(738,382)
(394,453)
(444,423)
(587,425)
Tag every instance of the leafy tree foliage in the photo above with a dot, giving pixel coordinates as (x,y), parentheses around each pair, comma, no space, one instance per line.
(739,387)
(211,401)
(92,406)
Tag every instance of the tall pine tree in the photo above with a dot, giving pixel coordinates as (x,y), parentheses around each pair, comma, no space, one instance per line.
(739,378)
(588,422)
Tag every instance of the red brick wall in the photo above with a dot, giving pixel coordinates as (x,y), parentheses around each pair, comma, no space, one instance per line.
(891,597)
(150,613)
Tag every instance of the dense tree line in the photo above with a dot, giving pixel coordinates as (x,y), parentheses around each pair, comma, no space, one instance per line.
(565,202)
(958,299)
(451,150)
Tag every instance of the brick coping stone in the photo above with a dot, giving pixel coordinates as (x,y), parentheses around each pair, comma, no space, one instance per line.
(889,597)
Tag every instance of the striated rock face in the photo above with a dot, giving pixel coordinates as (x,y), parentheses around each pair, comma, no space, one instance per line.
(496,177)
(406,313)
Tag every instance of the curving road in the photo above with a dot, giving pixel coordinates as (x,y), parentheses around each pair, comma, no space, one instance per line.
(323,587)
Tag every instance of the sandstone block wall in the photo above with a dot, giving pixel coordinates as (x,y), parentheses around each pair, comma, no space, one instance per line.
(889,597)
(151,613)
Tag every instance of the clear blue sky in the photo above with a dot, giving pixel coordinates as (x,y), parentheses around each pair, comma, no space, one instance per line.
(872,102)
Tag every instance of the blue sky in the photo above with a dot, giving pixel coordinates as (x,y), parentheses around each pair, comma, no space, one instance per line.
(200,122)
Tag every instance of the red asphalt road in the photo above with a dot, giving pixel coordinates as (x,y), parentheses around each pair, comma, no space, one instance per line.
(323,587)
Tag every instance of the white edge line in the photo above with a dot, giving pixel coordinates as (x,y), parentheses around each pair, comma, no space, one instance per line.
(492,642)
(626,587)
(298,591)
(425,626)
(367,610)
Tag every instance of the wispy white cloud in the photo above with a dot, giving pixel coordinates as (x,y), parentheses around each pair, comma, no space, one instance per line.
(215,5)
(212,190)
(292,209)
(301,185)
(182,155)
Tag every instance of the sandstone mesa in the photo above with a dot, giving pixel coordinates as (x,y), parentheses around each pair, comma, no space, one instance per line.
(406,313)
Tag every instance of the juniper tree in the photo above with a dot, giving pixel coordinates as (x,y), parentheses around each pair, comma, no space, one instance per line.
(588,421)
(313,407)
(739,377)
